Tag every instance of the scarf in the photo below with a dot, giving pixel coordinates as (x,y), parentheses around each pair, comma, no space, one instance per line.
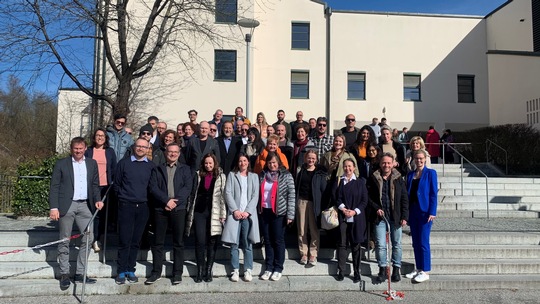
(271,176)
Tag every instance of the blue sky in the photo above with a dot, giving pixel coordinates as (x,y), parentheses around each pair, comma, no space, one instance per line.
(457,7)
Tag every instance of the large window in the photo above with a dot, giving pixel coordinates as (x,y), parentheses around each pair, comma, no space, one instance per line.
(226,11)
(356,86)
(411,87)
(465,86)
(300,84)
(224,65)
(300,36)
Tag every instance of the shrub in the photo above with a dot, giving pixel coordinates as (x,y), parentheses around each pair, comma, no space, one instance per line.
(520,141)
(32,187)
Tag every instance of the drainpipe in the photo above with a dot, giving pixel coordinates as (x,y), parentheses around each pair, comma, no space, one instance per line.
(327,15)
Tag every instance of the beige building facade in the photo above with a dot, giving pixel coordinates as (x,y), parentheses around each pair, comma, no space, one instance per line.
(417,70)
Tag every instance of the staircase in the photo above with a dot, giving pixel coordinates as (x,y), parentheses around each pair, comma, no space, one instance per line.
(468,250)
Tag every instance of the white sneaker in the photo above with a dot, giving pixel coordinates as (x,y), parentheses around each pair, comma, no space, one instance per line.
(266,275)
(247,275)
(276,276)
(421,277)
(96,246)
(235,275)
(411,275)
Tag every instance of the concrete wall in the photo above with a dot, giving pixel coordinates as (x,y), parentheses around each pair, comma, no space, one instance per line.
(510,28)
(387,46)
(72,119)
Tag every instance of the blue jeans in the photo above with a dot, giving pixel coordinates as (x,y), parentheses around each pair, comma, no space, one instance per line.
(395,238)
(244,226)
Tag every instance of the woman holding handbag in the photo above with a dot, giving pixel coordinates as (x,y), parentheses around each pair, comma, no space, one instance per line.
(242,224)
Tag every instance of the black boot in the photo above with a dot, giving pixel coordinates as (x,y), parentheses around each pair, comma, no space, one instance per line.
(381,277)
(210,264)
(396,275)
(200,265)
(356,263)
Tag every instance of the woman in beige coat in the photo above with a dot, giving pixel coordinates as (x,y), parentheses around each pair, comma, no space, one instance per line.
(207,214)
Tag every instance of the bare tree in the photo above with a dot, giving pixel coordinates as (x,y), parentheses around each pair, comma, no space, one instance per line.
(132,34)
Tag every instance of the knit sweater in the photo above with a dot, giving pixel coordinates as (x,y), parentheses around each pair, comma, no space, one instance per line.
(132,179)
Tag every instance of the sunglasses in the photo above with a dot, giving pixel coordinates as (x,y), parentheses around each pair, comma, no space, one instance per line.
(213,130)
(351,119)
(322,125)
(146,133)
(118,122)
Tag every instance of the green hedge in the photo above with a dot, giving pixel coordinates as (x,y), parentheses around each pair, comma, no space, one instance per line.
(32,188)
(522,142)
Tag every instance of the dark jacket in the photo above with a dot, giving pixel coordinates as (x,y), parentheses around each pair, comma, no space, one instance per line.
(111,161)
(400,157)
(229,158)
(183,182)
(62,185)
(318,187)
(399,200)
(194,154)
(354,196)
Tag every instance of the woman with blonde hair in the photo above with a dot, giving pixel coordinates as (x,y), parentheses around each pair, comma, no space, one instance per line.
(272,145)
(261,124)
(416,143)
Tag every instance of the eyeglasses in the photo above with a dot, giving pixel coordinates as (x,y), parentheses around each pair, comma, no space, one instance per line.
(146,133)
(322,125)
(141,147)
(100,135)
(245,130)
(119,122)
(351,119)
(173,152)
(213,130)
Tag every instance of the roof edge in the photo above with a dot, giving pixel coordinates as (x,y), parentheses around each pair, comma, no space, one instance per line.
(498,8)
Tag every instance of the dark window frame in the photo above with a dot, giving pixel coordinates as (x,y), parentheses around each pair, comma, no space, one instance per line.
(298,30)
(226,11)
(220,72)
(409,90)
(296,86)
(466,90)
(350,90)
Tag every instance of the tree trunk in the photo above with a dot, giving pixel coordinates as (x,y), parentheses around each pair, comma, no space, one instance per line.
(121,105)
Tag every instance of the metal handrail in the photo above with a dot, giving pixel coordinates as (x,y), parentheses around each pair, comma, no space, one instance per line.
(443,150)
(488,145)
(487,191)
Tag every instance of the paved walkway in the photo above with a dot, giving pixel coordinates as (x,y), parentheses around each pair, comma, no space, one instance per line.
(9,223)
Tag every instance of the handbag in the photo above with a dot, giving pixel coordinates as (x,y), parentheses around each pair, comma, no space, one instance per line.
(329,218)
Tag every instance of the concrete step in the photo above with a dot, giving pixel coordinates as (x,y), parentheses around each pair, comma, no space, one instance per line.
(491,186)
(492,206)
(493,199)
(441,213)
(42,270)
(491,192)
(49,287)
(491,180)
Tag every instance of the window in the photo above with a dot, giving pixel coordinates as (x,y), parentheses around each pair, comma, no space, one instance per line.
(356,86)
(300,84)
(411,87)
(224,65)
(300,36)
(226,11)
(465,87)
(536,24)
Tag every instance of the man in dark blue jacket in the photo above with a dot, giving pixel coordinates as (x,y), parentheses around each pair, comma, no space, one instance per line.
(131,182)
(170,187)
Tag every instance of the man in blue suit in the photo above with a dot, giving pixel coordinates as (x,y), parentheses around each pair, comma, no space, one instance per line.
(73,196)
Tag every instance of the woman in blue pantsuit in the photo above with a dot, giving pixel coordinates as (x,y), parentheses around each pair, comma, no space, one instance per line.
(422,189)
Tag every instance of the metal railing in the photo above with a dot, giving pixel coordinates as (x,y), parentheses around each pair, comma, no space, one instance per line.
(489,143)
(7,189)
(487,179)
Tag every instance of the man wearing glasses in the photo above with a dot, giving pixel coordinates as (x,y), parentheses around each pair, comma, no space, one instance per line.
(321,140)
(213,130)
(349,131)
(131,182)
(119,139)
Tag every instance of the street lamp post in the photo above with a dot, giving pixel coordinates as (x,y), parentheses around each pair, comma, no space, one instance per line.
(250,25)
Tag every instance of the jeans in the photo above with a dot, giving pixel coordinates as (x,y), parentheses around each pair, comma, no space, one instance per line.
(244,226)
(273,231)
(177,219)
(395,238)
(132,219)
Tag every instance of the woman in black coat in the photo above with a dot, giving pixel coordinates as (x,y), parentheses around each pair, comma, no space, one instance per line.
(352,199)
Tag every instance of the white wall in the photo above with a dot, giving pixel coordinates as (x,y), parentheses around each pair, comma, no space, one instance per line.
(513,81)
(505,29)
(71,121)
(386,46)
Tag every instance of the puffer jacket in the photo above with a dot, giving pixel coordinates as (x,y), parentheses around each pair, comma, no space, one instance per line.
(120,142)
(218,204)
(283,194)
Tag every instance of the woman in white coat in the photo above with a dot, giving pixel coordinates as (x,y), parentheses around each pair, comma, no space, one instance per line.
(242,225)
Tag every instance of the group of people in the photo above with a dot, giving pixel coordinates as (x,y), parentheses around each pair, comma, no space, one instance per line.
(245,187)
